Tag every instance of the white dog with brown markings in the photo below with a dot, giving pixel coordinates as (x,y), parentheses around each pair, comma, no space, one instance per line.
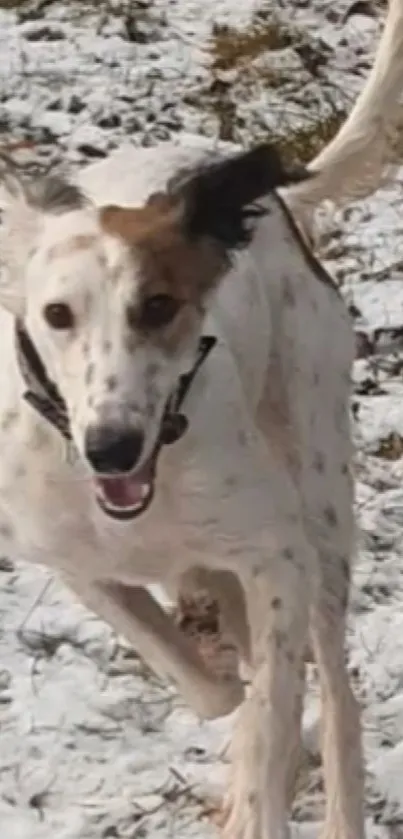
(183,343)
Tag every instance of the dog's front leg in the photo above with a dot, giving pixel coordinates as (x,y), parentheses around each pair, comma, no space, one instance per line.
(267,732)
(134,613)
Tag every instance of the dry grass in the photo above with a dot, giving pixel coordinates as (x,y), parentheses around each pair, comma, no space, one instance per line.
(232,48)
(305,143)
(390,447)
(12,4)
(250,54)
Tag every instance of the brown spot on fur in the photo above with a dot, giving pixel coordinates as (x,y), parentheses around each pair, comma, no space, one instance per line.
(151,409)
(6,531)
(111,383)
(210,521)
(288,293)
(346,568)
(341,416)
(171,338)
(39,438)
(152,391)
(132,316)
(276,603)
(8,420)
(131,342)
(89,374)
(274,417)
(280,638)
(319,462)
(170,262)
(242,438)
(152,370)
(330,515)
(81,242)
(136,225)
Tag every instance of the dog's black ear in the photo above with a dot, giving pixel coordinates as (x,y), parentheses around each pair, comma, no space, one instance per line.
(218,197)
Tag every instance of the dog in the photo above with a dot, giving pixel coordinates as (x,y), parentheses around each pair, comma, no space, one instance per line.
(175,387)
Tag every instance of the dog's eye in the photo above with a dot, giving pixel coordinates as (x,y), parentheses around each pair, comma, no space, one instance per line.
(158,311)
(59,316)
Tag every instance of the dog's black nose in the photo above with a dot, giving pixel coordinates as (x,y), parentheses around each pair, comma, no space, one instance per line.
(110,449)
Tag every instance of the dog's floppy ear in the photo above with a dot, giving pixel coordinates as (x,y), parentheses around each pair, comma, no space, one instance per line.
(46,193)
(18,230)
(218,197)
(12,185)
(24,200)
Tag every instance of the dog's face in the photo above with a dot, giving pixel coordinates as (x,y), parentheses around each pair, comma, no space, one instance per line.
(114,300)
(115,312)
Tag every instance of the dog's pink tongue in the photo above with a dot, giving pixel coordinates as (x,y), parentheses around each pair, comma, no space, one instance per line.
(128,491)
(124,492)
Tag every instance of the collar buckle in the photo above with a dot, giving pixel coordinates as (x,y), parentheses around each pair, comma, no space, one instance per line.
(175,423)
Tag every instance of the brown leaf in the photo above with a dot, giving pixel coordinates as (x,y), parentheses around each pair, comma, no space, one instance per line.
(390,447)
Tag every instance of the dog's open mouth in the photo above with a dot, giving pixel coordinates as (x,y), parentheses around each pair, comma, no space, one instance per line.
(124,497)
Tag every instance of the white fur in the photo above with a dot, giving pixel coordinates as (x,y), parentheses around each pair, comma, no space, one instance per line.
(259,485)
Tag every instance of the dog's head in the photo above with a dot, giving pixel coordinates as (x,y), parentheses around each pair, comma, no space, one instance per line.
(114,298)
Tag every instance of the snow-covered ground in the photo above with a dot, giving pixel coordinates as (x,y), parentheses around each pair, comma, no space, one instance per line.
(92,746)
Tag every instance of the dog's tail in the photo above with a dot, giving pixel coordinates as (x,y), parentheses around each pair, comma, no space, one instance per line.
(359,157)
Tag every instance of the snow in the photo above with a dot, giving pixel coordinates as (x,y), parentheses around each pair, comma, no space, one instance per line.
(93,746)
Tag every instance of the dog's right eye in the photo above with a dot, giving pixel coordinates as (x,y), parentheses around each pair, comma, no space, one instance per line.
(158,311)
(59,316)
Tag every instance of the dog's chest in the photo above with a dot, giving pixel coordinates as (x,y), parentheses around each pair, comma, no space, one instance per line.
(213,509)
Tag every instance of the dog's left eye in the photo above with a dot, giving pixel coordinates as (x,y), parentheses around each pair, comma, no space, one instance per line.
(158,311)
(59,316)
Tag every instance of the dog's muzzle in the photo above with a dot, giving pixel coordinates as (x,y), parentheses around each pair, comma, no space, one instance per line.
(125,496)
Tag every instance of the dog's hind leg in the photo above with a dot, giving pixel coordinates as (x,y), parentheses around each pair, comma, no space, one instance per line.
(341,731)
(134,613)
(342,756)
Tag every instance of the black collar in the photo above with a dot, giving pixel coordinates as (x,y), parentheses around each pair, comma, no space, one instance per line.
(43,395)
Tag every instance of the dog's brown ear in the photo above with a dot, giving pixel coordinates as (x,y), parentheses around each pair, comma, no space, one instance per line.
(217,198)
